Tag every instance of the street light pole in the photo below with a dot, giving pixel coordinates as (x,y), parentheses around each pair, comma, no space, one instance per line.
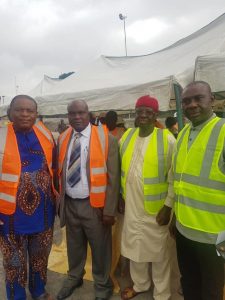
(123,18)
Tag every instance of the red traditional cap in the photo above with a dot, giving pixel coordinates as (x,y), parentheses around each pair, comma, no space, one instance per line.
(149,102)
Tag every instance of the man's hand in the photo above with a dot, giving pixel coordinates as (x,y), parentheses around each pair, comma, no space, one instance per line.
(163,216)
(1,223)
(121,205)
(172,227)
(108,220)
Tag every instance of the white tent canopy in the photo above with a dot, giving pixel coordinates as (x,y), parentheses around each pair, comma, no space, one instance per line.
(116,82)
(45,86)
(211,68)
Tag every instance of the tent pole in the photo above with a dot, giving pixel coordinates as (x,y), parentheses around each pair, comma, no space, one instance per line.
(177,91)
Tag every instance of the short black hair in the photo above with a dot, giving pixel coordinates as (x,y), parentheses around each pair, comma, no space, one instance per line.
(170,121)
(200,82)
(78,101)
(17,97)
(111,115)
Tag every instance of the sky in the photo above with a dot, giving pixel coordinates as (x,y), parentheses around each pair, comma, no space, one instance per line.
(52,37)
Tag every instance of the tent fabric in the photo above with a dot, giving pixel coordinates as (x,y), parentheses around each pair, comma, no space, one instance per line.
(118,98)
(211,68)
(45,86)
(116,82)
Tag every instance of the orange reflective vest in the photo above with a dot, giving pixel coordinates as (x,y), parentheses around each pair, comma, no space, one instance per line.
(98,157)
(10,163)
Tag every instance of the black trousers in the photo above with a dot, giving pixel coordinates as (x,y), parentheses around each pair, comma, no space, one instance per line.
(202,270)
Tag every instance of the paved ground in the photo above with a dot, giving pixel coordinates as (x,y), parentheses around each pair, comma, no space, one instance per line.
(55,281)
(86,292)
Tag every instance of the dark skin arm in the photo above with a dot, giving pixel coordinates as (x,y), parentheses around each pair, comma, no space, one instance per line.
(172,227)
(163,216)
(121,205)
(108,220)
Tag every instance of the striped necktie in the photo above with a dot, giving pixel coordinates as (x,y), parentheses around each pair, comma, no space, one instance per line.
(73,173)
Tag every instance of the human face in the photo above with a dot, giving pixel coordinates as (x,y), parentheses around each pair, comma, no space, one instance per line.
(23,114)
(145,116)
(197,103)
(78,115)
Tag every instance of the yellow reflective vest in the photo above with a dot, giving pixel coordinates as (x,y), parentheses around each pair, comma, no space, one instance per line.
(154,172)
(199,183)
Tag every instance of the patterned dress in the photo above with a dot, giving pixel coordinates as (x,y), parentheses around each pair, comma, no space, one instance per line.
(26,236)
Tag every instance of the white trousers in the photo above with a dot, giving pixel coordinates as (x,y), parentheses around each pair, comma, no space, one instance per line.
(161,274)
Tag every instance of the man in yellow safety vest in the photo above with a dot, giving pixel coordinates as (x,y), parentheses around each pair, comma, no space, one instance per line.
(146,154)
(199,185)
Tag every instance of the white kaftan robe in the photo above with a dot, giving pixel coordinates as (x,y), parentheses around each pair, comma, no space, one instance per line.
(143,240)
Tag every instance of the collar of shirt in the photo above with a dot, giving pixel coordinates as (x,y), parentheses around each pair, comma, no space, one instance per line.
(200,126)
(86,132)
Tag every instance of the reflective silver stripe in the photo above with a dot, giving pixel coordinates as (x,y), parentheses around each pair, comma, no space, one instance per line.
(200,181)
(7,197)
(98,189)
(177,176)
(212,208)
(182,135)
(3,134)
(101,134)
(122,173)
(156,197)
(62,138)
(179,143)
(96,171)
(161,162)
(209,154)
(200,236)
(153,180)
(102,138)
(160,151)
(60,165)
(45,132)
(127,141)
(203,179)
(9,177)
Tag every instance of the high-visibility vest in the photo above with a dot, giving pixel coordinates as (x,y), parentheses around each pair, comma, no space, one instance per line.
(168,132)
(154,171)
(10,163)
(199,183)
(98,157)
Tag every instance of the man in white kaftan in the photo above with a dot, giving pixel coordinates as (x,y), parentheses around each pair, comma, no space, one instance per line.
(145,235)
